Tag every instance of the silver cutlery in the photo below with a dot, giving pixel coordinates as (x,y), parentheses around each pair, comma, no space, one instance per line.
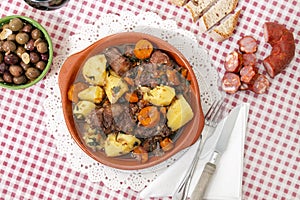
(210,167)
(211,120)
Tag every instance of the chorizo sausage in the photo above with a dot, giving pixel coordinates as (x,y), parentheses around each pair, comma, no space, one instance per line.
(283,48)
(247,73)
(248,44)
(259,84)
(249,59)
(233,62)
(231,82)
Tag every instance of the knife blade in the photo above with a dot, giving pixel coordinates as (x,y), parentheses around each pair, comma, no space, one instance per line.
(220,147)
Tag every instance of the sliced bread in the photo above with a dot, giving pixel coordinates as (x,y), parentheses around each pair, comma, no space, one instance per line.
(198,10)
(217,12)
(226,28)
(179,2)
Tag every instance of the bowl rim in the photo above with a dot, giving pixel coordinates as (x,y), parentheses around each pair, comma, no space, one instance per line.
(50,49)
(187,138)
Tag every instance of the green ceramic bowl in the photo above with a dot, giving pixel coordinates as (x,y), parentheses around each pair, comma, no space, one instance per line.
(35,24)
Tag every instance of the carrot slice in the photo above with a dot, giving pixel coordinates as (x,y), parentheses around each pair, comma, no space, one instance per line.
(140,154)
(166,144)
(143,49)
(149,116)
(131,97)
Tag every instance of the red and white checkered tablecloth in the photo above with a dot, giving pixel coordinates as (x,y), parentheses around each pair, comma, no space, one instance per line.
(32,168)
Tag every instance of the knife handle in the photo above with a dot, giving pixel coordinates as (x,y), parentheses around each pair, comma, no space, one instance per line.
(203,182)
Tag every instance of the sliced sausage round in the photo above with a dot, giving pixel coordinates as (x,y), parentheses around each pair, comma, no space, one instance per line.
(231,82)
(233,62)
(248,44)
(249,59)
(259,84)
(247,73)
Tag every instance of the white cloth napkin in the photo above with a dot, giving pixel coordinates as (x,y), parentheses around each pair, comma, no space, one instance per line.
(227,180)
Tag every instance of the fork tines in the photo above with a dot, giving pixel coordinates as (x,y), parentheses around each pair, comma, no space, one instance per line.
(214,113)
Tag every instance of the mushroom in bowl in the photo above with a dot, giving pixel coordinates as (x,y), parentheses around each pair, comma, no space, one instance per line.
(26,52)
(131,100)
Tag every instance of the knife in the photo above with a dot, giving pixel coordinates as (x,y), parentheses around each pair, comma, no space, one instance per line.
(221,145)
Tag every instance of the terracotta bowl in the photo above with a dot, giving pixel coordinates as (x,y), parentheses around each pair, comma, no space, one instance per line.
(191,131)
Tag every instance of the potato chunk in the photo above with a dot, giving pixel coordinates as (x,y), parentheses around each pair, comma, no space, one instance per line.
(160,95)
(93,93)
(94,70)
(94,141)
(179,113)
(117,144)
(82,109)
(115,87)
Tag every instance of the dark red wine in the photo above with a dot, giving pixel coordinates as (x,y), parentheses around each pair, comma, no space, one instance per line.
(46,4)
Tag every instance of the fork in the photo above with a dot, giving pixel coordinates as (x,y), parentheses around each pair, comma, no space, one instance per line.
(212,117)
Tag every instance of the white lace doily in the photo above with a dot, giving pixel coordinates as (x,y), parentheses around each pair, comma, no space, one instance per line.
(108,24)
